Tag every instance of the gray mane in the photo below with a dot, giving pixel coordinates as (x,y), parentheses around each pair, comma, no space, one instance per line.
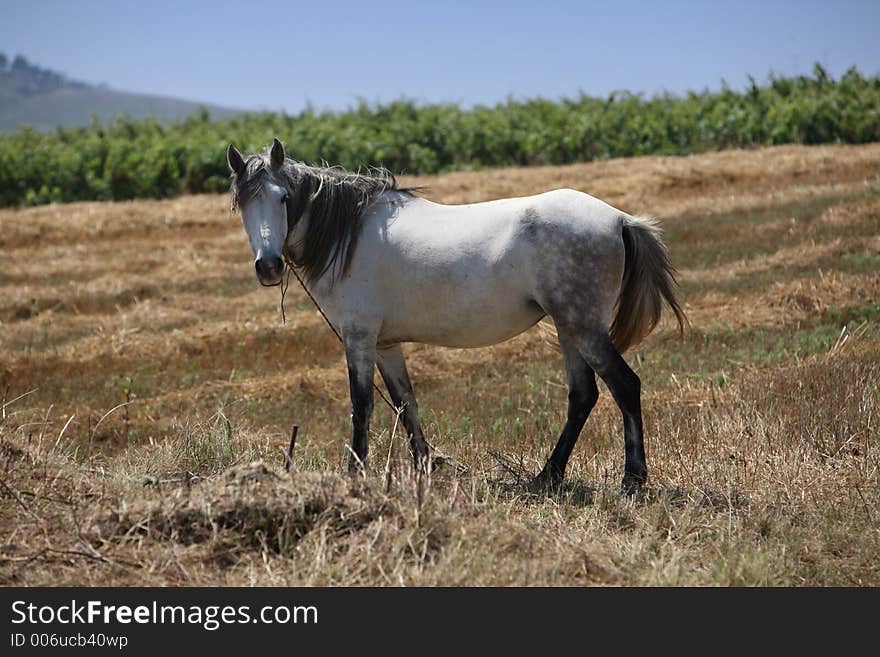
(334,198)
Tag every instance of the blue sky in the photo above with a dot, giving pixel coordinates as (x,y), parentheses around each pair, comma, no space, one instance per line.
(281,55)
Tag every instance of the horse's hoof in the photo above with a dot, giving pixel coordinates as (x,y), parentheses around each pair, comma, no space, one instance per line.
(548,480)
(543,483)
(632,484)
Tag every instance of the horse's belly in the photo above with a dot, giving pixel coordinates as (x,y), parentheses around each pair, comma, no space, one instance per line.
(461,325)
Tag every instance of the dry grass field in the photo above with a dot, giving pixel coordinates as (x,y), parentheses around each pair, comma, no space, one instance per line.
(762,423)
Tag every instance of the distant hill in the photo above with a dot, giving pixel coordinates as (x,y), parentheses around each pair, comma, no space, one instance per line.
(45,99)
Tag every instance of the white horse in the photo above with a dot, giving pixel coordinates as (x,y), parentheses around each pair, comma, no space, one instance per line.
(389,267)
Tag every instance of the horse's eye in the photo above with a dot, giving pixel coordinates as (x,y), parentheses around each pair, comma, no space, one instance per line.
(284,199)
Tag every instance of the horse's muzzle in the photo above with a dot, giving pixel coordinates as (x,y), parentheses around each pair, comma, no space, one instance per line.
(269,270)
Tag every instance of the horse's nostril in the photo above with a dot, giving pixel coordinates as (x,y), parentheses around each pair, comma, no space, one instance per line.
(268,268)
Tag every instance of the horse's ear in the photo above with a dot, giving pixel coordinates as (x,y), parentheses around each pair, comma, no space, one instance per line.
(276,157)
(234,159)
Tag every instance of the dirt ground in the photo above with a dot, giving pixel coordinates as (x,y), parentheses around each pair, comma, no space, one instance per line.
(148,386)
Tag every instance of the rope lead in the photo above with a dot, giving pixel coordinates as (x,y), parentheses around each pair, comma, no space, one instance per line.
(290,269)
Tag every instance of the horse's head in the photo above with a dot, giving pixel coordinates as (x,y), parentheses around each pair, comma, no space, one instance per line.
(259,193)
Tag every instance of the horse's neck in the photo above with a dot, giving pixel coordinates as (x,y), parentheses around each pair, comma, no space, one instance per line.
(321,289)
(296,238)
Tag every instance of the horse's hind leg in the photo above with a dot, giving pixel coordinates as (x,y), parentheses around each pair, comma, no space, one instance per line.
(392,366)
(625,386)
(582,396)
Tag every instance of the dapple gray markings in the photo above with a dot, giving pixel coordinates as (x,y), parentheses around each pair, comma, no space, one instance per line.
(387,267)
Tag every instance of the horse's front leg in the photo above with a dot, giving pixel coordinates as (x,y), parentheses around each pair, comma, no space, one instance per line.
(360,354)
(392,366)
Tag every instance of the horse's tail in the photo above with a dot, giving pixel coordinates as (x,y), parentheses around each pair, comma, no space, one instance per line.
(648,280)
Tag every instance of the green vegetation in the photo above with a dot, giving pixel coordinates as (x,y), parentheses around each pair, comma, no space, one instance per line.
(127,159)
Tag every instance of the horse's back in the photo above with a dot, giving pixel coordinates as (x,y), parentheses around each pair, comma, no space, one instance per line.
(445,231)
